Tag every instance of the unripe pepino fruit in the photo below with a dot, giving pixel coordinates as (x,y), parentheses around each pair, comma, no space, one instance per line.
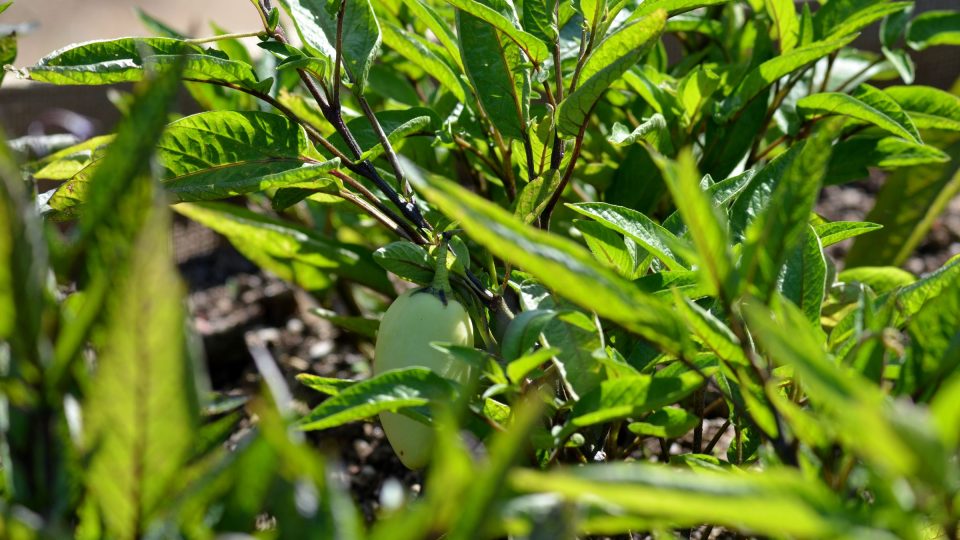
(414,320)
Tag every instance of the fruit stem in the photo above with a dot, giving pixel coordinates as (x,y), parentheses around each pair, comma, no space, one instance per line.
(441,278)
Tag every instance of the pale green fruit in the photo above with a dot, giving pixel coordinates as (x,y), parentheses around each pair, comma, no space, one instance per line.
(410,324)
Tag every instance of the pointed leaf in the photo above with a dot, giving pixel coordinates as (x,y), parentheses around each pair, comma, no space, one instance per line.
(785,20)
(783,224)
(929,108)
(836,231)
(684,498)
(535,49)
(846,105)
(616,54)
(704,222)
(804,277)
(141,421)
(316,21)
(291,252)
(630,397)
(105,61)
(497,72)
(848,16)
(772,70)
(638,227)
(410,48)
(559,264)
(936,27)
(392,391)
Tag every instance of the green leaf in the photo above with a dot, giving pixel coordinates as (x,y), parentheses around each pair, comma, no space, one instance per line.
(913,297)
(393,391)
(929,188)
(784,15)
(833,103)
(929,108)
(221,154)
(667,423)
(577,337)
(8,52)
(682,498)
(672,7)
(845,17)
(105,61)
(23,271)
(398,124)
(203,67)
(141,421)
(325,385)
(316,23)
(396,136)
(893,26)
(704,222)
(882,279)
(537,18)
(729,142)
(804,277)
(783,224)
(695,91)
(406,260)
(897,440)
(764,75)
(934,344)
(945,408)
(413,50)
(852,157)
(755,197)
(612,249)
(291,252)
(935,27)
(498,73)
(114,212)
(902,62)
(836,231)
(650,130)
(535,49)
(535,195)
(523,365)
(422,12)
(361,326)
(559,264)
(638,227)
(523,332)
(616,54)
(216,155)
(714,334)
(630,397)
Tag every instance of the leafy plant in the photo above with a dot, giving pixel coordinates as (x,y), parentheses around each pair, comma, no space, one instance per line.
(663,343)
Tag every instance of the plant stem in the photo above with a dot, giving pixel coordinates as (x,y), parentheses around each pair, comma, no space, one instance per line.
(857,75)
(385,141)
(716,438)
(375,213)
(411,234)
(567,174)
(338,60)
(211,39)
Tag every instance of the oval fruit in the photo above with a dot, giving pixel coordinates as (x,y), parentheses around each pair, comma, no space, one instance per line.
(410,324)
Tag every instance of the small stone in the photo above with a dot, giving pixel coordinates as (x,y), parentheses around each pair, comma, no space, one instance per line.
(295,326)
(321,349)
